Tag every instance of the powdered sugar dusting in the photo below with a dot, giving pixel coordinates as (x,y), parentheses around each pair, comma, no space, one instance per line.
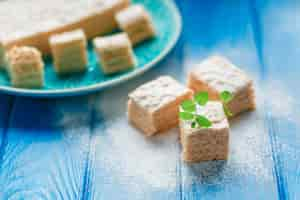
(74,121)
(131,158)
(248,146)
(248,155)
(279,100)
(250,151)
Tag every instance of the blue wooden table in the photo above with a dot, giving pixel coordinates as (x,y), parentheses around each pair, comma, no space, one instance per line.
(83,147)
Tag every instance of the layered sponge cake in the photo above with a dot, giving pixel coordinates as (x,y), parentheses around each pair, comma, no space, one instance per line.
(137,23)
(25,67)
(37,20)
(69,52)
(115,53)
(153,107)
(217,74)
(206,143)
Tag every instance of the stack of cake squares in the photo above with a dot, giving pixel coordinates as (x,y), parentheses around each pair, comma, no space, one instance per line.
(155,107)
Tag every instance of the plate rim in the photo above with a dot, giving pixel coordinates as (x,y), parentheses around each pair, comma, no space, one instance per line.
(99,86)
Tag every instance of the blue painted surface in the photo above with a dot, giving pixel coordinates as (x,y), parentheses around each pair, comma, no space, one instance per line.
(280,34)
(6,103)
(46,149)
(83,148)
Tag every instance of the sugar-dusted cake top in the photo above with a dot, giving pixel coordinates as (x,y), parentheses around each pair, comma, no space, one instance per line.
(24,59)
(113,42)
(220,74)
(213,111)
(76,35)
(24,55)
(23,18)
(158,93)
(132,14)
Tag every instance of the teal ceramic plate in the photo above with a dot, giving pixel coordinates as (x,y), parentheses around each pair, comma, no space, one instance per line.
(168,25)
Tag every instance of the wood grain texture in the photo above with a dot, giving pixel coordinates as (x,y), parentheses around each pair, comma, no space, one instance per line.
(6,103)
(279,23)
(220,27)
(127,165)
(124,164)
(83,148)
(46,150)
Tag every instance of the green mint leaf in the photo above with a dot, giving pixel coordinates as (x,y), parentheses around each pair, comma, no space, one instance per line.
(194,124)
(201,98)
(186,116)
(227,112)
(188,106)
(226,96)
(203,121)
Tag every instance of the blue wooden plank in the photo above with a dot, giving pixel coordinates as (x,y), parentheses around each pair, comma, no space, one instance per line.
(280,43)
(126,164)
(220,27)
(49,154)
(5,107)
(46,150)
(6,103)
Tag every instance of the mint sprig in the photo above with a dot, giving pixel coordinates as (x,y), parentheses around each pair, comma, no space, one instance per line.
(194,124)
(201,98)
(203,121)
(188,108)
(226,97)
(227,111)
(186,115)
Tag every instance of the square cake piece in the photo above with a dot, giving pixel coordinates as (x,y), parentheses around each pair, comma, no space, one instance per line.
(136,22)
(69,52)
(204,144)
(153,107)
(215,75)
(25,67)
(115,53)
